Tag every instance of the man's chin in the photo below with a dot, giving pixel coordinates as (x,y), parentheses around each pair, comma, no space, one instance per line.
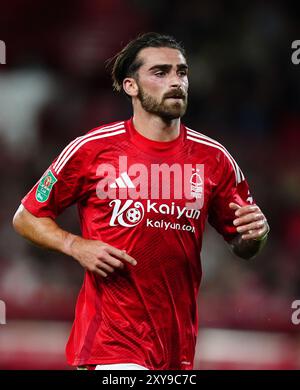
(174,111)
(174,114)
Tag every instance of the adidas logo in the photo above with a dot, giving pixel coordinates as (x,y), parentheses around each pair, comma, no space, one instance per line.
(123,181)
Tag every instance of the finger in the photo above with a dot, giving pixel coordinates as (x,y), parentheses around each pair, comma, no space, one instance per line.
(248,218)
(251,226)
(234,206)
(122,255)
(254,234)
(103,266)
(112,261)
(100,272)
(246,210)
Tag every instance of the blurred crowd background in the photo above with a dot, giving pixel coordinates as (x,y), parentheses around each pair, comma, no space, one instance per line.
(244,92)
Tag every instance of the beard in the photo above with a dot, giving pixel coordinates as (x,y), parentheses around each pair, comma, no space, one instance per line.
(166,109)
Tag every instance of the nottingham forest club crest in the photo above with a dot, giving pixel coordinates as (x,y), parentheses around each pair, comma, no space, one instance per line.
(45,186)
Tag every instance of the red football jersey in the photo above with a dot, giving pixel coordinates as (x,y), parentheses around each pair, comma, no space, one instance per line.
(151,199)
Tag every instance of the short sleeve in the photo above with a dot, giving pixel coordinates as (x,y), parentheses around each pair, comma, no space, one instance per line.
(62,184)
(232,187)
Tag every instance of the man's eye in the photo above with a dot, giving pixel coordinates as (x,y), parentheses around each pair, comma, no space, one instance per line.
(160,73)
(182,73)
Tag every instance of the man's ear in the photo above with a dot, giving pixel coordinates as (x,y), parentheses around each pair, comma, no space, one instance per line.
(130,86)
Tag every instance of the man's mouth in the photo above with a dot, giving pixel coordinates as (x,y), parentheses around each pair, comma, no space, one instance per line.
(175,97)
(176,94)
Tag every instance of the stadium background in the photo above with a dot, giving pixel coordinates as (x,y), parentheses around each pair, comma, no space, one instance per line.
(244,91)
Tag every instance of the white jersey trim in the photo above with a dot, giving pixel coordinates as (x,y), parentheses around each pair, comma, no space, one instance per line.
(84,142)
(67,152)
(194,133)
(236,170)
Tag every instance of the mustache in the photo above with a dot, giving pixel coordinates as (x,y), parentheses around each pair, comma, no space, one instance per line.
(177,93)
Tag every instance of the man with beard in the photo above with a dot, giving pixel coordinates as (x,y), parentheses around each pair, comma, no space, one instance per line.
(144,189)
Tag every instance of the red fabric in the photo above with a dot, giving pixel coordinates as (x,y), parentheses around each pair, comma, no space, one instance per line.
(145,314)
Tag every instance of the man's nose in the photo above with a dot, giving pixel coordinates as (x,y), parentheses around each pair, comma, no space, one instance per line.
(175,80)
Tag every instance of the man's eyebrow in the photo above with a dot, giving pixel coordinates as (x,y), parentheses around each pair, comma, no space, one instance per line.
(167,67)
(182,66)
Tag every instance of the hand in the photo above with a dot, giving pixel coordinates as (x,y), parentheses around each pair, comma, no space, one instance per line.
(250,222)
(99,257)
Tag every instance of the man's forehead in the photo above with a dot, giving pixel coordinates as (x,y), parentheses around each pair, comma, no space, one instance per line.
(161,55)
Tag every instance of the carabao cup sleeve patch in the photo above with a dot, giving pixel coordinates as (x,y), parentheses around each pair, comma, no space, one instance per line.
(45,187)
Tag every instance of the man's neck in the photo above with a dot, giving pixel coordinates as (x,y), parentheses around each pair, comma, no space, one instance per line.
(155,128)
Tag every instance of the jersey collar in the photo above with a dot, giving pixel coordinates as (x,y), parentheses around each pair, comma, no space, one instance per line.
(154,147)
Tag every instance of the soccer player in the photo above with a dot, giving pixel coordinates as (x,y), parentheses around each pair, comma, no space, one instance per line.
(144,188)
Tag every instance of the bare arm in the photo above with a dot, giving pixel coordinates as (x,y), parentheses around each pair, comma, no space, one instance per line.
(253,230)
(95,256)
